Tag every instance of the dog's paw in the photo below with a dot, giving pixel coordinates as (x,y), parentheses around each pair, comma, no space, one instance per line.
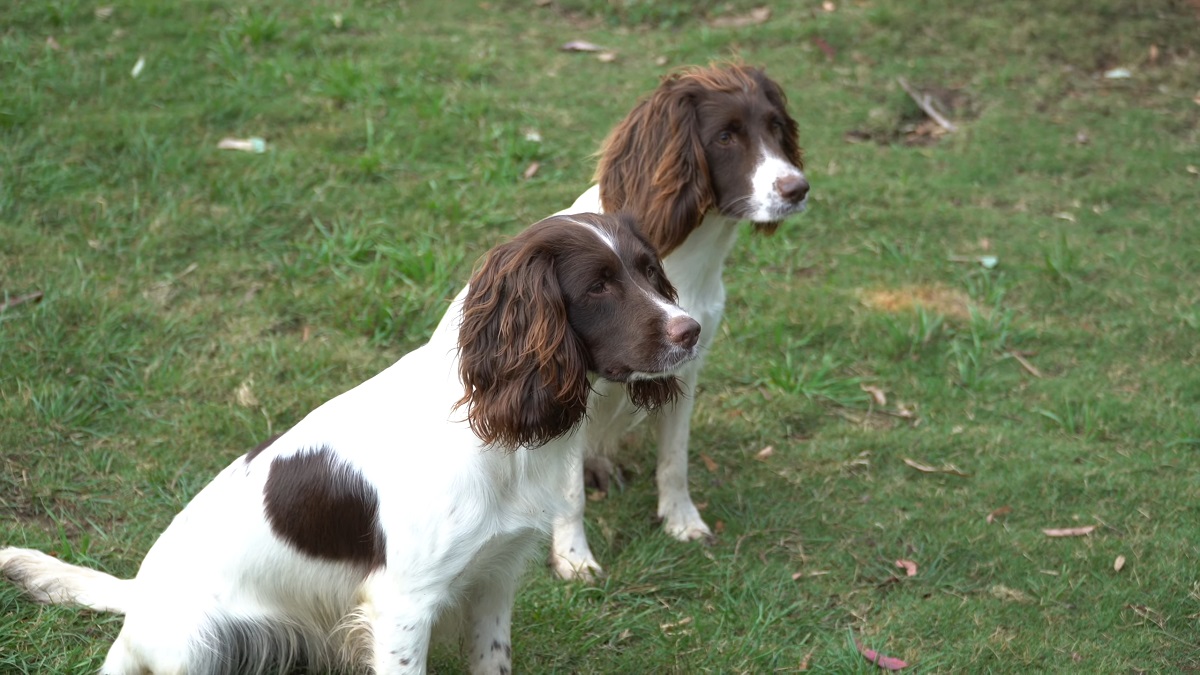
(600,474)
(685,524)
(570,568)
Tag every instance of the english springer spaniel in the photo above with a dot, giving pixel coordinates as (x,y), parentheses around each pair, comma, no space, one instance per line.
(710,147)
(412,501)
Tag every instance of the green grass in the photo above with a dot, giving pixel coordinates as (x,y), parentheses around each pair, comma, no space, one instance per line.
(198,299)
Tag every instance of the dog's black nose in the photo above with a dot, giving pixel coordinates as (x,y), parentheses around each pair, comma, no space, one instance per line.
(683,331)
(793,187)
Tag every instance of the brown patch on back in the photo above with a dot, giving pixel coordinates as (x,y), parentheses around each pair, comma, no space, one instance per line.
(944,301)
(325,509)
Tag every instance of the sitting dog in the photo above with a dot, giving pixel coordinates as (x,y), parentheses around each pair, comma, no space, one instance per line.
(710,148)
(412,501)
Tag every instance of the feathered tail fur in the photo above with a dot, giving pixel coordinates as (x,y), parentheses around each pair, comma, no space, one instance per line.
(51,581)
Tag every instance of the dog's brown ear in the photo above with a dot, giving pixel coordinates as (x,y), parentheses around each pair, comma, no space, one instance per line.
(653,165)
(522,366)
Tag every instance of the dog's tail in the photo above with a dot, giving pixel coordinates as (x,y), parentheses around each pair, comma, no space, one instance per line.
(52,581)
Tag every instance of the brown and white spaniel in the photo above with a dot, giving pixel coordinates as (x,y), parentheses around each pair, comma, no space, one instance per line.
(709,148)
(413,500)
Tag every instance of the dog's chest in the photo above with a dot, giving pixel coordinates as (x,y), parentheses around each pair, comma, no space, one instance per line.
(695,269)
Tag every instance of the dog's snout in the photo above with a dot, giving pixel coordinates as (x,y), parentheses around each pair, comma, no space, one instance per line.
(792,187)
(683,331)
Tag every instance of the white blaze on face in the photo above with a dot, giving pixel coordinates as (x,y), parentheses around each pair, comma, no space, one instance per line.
(766,204)
(670,310)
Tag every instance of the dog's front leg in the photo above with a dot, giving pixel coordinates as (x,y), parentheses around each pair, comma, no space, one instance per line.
(680,517)
(488,646)
(401,624)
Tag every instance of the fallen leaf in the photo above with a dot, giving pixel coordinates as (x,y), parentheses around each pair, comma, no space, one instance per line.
(815,573)
(925,468)
(909,567)
(8,304)
(245,394)
(825,47)
(997,513)
(709,463)
(1118,74)
(719,527)
(1069,531)
(1065,215)
(581,46)
(52,43)
(828,6)
(1001,592)
(766,452)
(882,660)
(531,170)
(660,61)
(1119,563)
(103,13)
(137,67)
(876,393)
(754,17)
(606,57)
(253,144)
(668,627)
(804,662)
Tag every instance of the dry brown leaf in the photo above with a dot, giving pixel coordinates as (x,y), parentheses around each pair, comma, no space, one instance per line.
(876,393)
(804,662)
(909,567)
(719,527)
(103,13)
(997,513)
(245,394)
(763,454)
(1069,531)
(709,463)
(815,573)
(1119,563)
(668,627)
(531,170)
(52,43)
(882,660)
(825,47)
(925,468)
(754,17)
(1001,592)
(14,301)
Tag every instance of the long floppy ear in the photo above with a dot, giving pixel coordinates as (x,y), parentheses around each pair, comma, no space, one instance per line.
(523,368)
(653,166)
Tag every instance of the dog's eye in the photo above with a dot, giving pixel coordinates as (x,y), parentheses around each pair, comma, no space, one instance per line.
(725,138)
(652,272)
(777,126)
(598,288)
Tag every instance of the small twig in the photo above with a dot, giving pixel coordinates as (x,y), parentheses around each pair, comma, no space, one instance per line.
(1026,364)
(35,296)
(925,103)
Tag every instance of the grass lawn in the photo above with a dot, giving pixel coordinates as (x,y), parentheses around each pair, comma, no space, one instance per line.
(196,300)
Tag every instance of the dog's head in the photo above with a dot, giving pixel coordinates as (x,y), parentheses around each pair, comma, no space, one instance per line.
(707,138)
(568,296)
